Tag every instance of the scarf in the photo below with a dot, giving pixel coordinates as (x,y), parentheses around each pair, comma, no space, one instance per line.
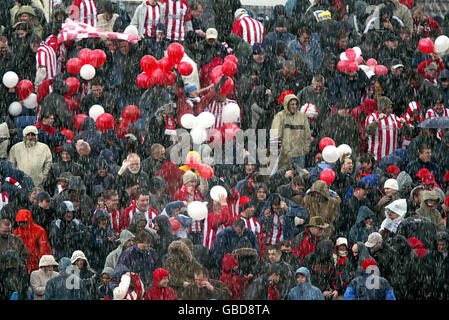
(14,182)
(273,291)
(363,174)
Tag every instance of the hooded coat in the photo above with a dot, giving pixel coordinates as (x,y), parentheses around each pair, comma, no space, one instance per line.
(104,292)
(156,292)
(57,288)
(293,130)
(356,262)
(347,216)
(112,257)
(13,278)
(305,291)
(166,237)
(431,213)
(342,87)
(35,239)
(181,265)
(39,278)
(358,231)
(401,11)
(358,289)
(325,206)
(87,274)
(235,283)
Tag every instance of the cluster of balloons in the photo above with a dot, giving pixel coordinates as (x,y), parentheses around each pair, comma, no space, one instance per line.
(330,152)
(86,63)
(228,69)
(25,94)
(198,125)
(159,73)
(440,46)
(193,161)
(351,60)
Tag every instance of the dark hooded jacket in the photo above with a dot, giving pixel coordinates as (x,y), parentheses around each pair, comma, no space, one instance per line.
(57,288)
(348,216)
(55,103)
(358,289)
(358,231)
(166,237)
(13,278)
(342,87)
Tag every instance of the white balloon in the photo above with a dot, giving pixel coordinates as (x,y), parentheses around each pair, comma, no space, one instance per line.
(197,210)
(205,119)
(365,68)
(343,148)
(343,56)
(330,154)
(31,101)
(369,74)
(131,30)
(216,191)
(10,79)
(87,72)
(188,120)
(358,51)
(15,108)
(441,44)
(231,113)
(95,111)
(199,135)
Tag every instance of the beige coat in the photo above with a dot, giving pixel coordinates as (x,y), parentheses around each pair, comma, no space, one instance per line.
(38,281)
(35,161)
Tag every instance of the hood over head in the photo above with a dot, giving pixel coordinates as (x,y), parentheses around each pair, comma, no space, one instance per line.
(158,275)
(322,188)
(65,267)
(178,247)
(228,263)
(304,271)
(78,254)
(108,270)
(125,236)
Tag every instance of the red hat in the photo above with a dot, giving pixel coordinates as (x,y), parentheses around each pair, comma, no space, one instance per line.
(282,96)
(446,176)
(422,173)
(228,262)
(243,200)
(446,201)
(367,263)
(393,170)
(429,179)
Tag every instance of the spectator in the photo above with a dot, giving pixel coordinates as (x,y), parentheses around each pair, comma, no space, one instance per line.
(304,290)
(39,278)
(204,288)
(243,21)
(9,241)
(364,225)
(160,289)
(126,241)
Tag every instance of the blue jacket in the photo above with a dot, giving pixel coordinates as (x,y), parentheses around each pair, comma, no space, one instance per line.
(57,288)
(358,231)
(358,290)
(314,55)
(288,225)
(305,291)
(227,241)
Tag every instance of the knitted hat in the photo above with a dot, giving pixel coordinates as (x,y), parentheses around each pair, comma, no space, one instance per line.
(429,179)
(393,170)
(368,262)
(391,184)
(244,203)
(189,176)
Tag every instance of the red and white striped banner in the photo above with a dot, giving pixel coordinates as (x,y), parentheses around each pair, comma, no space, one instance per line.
(73,30)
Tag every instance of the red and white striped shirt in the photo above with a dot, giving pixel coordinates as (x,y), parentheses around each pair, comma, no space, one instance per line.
(60,50)
(46,57)
(177,13)
(84,11)
(4,199)
(275,235)
(214,223)
(216,108)
(253,224)
(385,140)
(249,29)
(431,113)
(152,18)
(127,216)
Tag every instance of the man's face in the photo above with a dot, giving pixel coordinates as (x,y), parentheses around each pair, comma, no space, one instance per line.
(112,202)
(134,165)
(431,72)
(211,41)
(22,34)
(143,246)
(276,209)
(45,204)
(360,193)
(275,277)
(33,197)
(259,58)
(248,212)
(197,13)
(249,168)
(160,35)
(128,244)
(425,155)
(199,279)
(98,90)
(30,140)
(3,48)
(261,194)
(297,188)
(391,44)
(239,231)
(111,45)
(442,246)
(159,155)
(300,278)
(124,47)
(305,38)
(444,82)
(317,86)
(106,278)
(5,230)
(143,202)
(274,256)
(343,42)
(191,184)
(65,156)
(316,232)
(102,172)
(292,106)
(397,71)
(439,107)
(102,222)
(68,216)
(347,166)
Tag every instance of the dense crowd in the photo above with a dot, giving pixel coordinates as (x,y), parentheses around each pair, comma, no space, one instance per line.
(92,214)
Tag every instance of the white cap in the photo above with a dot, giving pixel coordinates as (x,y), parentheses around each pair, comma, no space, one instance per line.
(373,239)
(211,33)
(341,241)
(391,184)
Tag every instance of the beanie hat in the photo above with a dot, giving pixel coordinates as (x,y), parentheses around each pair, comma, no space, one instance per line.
(429,179)
(393,170)
(67,147)
(244,203)
(367,263)
(422,173)
(189,176)
(391,184)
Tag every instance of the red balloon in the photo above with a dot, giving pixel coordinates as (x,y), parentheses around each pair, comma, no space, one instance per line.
(353,66)
(426,45)
(342,65)
(74,85)
(230,130)
(105,121)
(69,134)
(205,171)
(324,142)
(192,162)
(121,129)
(176,52)
(166,64)
(158,77)
(327,175)
(78,120)
(351,54)
(98,58)
(380,70)
(24,89)
(170,78)
(143,80)
(232,58)
(72,104)
(216,138)
(175,224)
(148,64)
(131,114)
(371,62)
(359,60)
(227,87)
(216,73)
(185,68)
(229,68)
(85,55)
(74,65)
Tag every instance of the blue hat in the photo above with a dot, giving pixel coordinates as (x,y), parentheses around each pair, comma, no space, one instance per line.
(189,88)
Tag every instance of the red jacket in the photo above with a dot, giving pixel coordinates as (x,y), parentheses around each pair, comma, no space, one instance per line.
(127,213)
(418,246)
(423,65)
(157,292)
(428,24)
(235,284)
(360,113)
(306,245)
(35,239)
(172,176)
